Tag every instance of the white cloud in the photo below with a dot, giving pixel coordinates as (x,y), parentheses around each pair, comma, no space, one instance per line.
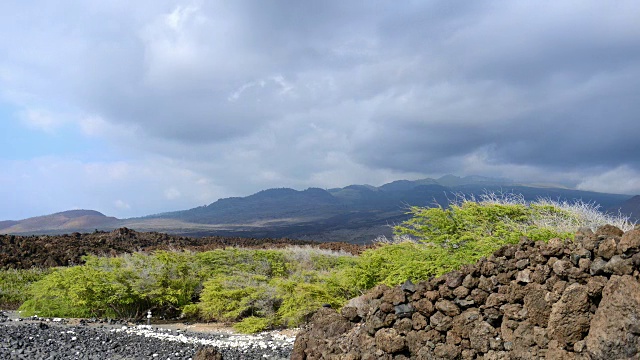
(201,99)
(620,180)
(41,120)
(181,14)
(121,205)
(140,187)
(94,125)
(172,193)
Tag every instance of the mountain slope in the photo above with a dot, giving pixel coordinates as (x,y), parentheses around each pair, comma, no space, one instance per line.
(279,205)
(630,207)
(66,220)
(354,213)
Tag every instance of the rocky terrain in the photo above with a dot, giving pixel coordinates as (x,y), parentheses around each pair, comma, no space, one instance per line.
(561,300)
(46,339)
(23,252)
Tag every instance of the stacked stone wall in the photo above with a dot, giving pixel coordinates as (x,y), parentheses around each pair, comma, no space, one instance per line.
(558,300)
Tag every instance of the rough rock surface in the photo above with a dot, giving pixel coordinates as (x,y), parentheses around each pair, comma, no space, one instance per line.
(24,252)
(35,340)
(556,300)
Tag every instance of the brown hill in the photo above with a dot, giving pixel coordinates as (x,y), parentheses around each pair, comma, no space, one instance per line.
(66,220)
(7,223)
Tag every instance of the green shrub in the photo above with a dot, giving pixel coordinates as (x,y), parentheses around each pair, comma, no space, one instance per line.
(123,287)
(58,294)
(253,324)
(393,264)
(190,311)
(447,238)
(230,298)
(276,288)
(301,295)
(491,222)
(469,221)
(14,284)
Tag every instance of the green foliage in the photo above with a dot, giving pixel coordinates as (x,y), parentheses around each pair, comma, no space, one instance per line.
(232,260)
(54,295)
(395,263)
(461,234)
(303,294)
(275,288)
(469,221)
(485,225)
(253,324)
(123,287)
(14,285)
(190,311)
(230,298)
(262,289)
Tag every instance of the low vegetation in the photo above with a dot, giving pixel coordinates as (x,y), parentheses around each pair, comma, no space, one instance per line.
(255,289)
(261,289)
(14,285)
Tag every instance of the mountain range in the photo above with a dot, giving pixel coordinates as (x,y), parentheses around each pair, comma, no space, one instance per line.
(355,213)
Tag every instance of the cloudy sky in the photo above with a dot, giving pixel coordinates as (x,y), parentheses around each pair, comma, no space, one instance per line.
(138,107)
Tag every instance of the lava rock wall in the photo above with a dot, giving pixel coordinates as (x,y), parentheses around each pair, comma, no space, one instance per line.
(559,300)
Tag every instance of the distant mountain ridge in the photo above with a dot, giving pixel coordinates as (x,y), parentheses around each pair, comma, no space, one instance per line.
(66,220)
(631,207)
(356,213)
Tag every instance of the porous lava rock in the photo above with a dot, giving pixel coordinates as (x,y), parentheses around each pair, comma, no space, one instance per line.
(24,252)
(558,300)
(208,353)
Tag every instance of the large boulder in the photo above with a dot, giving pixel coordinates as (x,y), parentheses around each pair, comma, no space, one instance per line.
(312,342)
(630,241)
(615,327)
(569,318)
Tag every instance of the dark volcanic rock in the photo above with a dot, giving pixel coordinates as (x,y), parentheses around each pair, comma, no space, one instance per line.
(208,353)
(23,252)
(615,328)
(561,300)
(32,340)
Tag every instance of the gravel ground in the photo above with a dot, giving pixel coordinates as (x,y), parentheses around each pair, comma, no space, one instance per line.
(49,339)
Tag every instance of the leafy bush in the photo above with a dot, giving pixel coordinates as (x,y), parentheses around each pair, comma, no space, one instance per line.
(123,287)
(492,221)
(231,298)
(14,285)
(253,324)
(437,240)
(60,294)
(303,294)
(190,311)
(393,264)
(275,287)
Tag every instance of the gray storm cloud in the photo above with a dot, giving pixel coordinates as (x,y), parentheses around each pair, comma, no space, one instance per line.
(250,94)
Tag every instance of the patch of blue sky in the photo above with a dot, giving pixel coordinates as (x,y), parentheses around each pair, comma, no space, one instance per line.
(21,142)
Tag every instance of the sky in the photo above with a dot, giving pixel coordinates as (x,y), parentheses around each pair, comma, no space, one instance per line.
(135,108)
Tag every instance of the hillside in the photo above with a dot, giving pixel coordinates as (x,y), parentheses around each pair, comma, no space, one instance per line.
(630,207)
(355,213)
(62,221)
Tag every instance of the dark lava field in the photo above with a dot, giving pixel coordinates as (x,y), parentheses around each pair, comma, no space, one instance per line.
(23,252)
